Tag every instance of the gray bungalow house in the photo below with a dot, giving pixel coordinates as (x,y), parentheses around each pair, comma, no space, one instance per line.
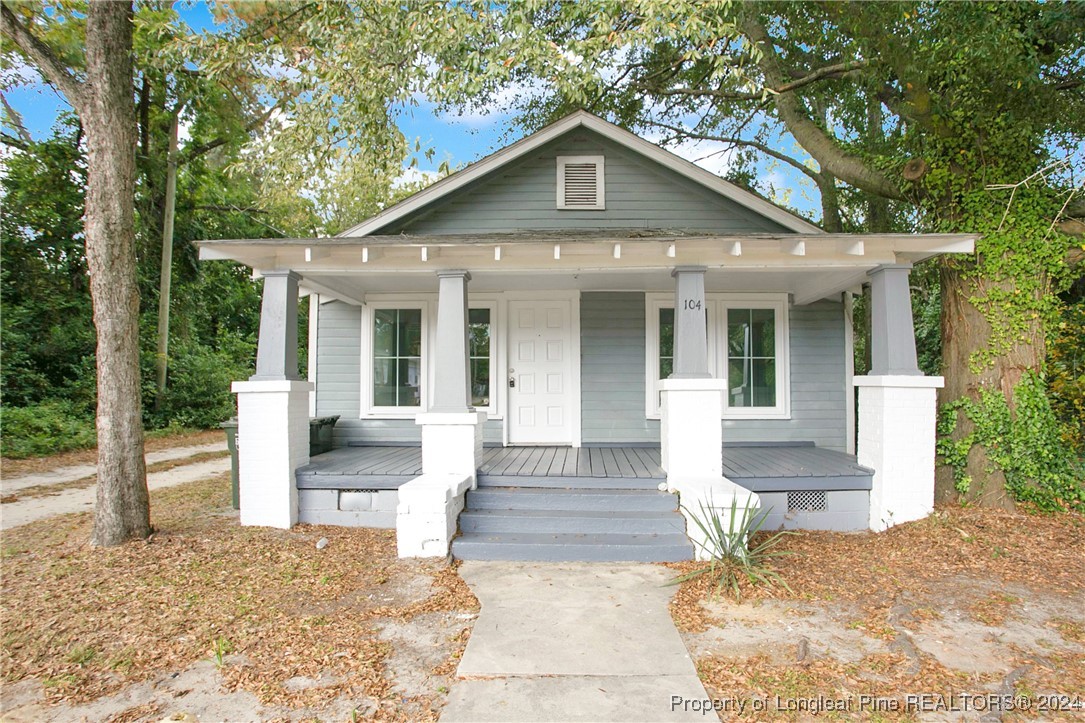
(542,355)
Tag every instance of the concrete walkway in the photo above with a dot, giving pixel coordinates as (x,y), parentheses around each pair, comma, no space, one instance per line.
(572,642)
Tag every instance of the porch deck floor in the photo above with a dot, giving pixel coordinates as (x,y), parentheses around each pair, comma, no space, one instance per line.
(757,468)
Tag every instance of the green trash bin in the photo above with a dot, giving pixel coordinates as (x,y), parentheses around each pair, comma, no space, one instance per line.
(231,441)
(320,434)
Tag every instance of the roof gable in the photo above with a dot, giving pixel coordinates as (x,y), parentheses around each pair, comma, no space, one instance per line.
(514,189)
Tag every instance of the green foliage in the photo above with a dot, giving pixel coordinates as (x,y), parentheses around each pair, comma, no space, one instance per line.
(1025,443)
(1066,370)
(46,428)
(198,394)
(727,546)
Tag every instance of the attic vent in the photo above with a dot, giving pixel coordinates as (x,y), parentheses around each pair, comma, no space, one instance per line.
(580,183)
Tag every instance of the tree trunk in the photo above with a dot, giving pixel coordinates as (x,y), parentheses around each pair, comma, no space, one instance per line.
(122,510)
(165,275)
(964,330)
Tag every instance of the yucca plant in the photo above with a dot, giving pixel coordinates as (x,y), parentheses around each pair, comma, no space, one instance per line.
(727,546)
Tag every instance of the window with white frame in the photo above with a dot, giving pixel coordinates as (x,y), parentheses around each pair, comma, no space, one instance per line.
(397,361)
(398,368)
(748,346)
(480,336)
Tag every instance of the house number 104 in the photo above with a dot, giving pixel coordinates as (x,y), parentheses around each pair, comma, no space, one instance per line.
(691,304)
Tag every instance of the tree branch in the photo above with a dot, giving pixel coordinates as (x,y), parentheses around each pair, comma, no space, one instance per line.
(837,70)
(191,153)
(43,57)
(834,159)
(741,142)
(17,121)
(10,140)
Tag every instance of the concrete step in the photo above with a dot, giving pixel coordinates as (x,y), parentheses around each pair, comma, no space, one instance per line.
(573,548)
(570,521)
(510,498)
(599,483)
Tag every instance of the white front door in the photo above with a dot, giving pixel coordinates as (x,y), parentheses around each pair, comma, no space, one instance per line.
(540,372)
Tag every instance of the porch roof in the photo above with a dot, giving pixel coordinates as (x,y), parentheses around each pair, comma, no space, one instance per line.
(810,266)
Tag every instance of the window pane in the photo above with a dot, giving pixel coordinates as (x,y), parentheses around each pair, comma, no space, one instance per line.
(763,332)
(738,389)
(409,383)
(384,332)
(666,332)
(384,382)
(666,367)
(738,332)
(763,382)
(409,331)
(479,336)
(480,382)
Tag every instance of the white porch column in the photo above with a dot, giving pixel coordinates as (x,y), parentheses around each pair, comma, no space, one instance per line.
(897,408)
(451,434)
(692,401)
(273,412)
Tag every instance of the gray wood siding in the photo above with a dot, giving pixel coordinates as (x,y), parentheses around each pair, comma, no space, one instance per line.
(639,194)
(612,369)
(612,382)
(338,385)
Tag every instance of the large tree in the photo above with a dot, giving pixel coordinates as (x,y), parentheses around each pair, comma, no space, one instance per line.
(932,113)
(102,98)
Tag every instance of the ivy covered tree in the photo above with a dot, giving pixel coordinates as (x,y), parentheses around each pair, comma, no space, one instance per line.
(947,117)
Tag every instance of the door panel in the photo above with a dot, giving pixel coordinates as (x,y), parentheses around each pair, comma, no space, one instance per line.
(540,366)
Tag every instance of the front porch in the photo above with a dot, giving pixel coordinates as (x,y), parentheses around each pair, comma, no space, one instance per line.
(800,485)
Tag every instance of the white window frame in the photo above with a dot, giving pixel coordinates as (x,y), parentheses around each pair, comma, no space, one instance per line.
(600,182)
(779,304)
(428,304)
(497,378)
(717,305)
(368,315)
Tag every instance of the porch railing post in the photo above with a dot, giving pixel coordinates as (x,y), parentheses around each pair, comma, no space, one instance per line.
(452,383)
(892,342)
(451,434)
(273,412)
(897,407)
(690,324)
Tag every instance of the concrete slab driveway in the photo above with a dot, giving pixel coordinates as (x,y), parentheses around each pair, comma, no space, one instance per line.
(572,642)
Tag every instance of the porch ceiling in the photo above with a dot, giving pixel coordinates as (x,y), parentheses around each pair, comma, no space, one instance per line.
(810,266)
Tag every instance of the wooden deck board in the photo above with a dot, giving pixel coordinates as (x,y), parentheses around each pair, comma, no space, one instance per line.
(351,467)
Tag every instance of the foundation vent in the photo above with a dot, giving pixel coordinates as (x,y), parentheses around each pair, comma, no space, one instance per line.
(806,501)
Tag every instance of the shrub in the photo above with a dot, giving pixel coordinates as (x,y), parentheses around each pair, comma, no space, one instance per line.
(52,426)
(730,556)
(198,392)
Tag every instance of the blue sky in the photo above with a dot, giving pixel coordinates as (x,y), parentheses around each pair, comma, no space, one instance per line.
(459,139)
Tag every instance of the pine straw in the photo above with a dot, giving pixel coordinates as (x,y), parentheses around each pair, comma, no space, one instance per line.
(956,557)
(89,621)
(1038,552)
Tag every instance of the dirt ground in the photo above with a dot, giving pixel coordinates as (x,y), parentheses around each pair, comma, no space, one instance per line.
(923,622)
(153,443)
(213,621)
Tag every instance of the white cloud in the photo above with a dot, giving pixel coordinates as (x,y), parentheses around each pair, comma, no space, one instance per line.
(496,109)
(414,175)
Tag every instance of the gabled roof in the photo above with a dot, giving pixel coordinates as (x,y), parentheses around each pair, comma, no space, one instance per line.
(580,119)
